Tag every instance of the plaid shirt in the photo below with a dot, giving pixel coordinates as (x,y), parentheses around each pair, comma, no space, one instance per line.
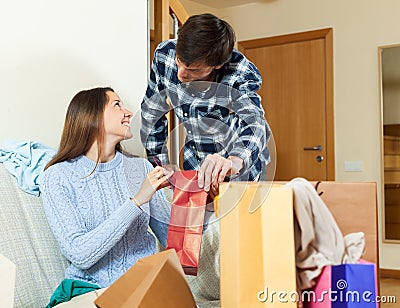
(226,118)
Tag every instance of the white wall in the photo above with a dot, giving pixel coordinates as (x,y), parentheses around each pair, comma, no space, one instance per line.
(50,50)
(359,28)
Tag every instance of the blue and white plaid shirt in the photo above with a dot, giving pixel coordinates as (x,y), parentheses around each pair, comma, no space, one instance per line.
(223,117)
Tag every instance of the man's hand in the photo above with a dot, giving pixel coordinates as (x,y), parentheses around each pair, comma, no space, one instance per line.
(215,168)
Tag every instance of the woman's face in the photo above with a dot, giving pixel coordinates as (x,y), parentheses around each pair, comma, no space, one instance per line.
(116,119)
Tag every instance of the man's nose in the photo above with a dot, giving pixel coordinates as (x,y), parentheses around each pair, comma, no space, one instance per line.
(182,72)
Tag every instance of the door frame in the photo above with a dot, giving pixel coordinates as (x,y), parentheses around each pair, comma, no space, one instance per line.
(327,36)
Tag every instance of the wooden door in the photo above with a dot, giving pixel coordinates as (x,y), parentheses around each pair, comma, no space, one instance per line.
(297,96)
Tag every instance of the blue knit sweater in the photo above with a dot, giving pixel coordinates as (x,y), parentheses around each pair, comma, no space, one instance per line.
(99,229)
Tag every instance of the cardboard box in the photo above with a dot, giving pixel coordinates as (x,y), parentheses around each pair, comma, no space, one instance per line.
(349,200)
(154,281)
(7,282)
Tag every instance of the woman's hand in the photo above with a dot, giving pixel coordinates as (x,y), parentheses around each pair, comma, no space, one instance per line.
(155,179)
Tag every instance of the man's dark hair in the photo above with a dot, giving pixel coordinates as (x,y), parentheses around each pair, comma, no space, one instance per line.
(205,38)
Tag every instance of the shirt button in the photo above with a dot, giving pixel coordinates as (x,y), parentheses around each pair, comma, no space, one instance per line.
(193,147)
(185,114)
(189,131)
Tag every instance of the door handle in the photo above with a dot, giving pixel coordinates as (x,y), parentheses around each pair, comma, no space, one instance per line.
(316,148)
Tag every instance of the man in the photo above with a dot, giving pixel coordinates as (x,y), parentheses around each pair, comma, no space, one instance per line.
(225,137)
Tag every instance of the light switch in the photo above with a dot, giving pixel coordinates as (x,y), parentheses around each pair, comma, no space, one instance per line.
(353,166)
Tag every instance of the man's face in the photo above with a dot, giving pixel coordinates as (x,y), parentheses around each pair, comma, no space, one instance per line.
(198,71)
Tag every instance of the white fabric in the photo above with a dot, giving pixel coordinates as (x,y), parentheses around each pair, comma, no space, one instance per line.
(318,239)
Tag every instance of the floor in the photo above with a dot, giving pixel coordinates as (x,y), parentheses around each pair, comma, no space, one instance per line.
(389,290)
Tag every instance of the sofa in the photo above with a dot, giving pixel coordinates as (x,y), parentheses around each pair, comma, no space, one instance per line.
(26,239)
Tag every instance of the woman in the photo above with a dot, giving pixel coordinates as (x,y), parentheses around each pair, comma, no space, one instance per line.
(99,201)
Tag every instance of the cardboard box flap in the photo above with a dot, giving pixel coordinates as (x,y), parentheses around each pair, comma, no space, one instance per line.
(154,281)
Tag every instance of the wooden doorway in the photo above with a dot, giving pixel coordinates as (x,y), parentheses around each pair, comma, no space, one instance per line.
(297,96)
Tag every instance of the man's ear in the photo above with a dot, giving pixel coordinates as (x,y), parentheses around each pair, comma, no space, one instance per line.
(219,66)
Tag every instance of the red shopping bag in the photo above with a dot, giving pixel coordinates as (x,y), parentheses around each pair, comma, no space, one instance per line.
(187,217)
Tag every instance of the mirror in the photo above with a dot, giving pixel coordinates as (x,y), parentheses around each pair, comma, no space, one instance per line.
(389,59)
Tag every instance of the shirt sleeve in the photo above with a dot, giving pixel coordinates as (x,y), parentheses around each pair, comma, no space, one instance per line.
(254,131)
(154,127)
(81,247)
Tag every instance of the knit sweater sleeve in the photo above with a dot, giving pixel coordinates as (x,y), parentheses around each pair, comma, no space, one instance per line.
(82,247)
(160,211)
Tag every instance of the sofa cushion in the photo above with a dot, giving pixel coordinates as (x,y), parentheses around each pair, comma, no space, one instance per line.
(26,239)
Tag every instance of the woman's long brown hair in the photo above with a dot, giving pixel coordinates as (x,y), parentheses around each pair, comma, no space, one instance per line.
(84,124)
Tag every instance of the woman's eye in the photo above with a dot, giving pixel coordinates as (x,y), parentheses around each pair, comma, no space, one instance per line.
(117,105)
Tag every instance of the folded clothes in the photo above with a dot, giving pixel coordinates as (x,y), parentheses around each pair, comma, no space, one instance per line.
(318,239)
